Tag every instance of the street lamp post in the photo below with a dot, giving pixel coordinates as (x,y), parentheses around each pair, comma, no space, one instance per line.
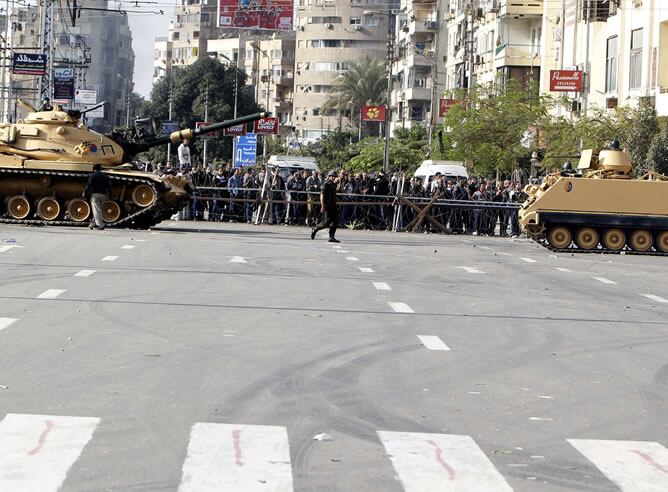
(391,15)
(236,96)
(169,116)
(266,106)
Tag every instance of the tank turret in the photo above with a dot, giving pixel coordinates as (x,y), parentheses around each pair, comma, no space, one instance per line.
(45,160)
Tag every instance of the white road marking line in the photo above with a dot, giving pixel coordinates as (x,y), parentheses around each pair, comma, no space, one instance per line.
(433,342)
(541,419)
(84,273)
(336,247)
(565,270)
(7,322)
(381,286)
(400,307)
(634,466)
(110,258)
(441,463)
(238,259)
(343,251)
(140,240)
(51,293)
(655,298)
(36,451)
(528,260)
(604,280)
(352,258)
(237,457)
(487,248)
(7,247)
(470,269)
(366,270)
(128,246)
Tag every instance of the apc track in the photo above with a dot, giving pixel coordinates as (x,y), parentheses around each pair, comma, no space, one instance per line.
(140,219)
(602,250)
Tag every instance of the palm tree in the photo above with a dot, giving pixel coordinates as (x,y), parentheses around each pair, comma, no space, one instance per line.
(363,83)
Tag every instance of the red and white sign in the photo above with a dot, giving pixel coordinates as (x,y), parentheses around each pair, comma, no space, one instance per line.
(266,126)
(235,131)
(275,15)
(566,80)
(199,124)
(445,105)
(373,113)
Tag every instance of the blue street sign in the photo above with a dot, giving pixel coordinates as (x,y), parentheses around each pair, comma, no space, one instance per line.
(169,127)
(246,150)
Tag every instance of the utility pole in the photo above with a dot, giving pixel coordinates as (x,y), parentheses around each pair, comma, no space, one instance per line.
(434,84)
(46,42)
(169,116)
(206,119)
(587,78)
(386,124)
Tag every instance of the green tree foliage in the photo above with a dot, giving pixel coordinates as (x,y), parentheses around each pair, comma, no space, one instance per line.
(189,89)
(332,151)
(657,155)
(490,128)
(365,82)
(407,151)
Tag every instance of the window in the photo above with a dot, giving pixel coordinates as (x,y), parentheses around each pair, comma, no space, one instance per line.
(636,59)
(355,21)
(316,111)
(195,34)
(611,65)
(371,21)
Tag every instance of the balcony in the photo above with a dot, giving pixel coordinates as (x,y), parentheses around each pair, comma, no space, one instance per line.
(417,94)
(517,55)
(521,8)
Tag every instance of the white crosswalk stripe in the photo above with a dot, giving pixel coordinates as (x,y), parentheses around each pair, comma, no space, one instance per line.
(36,451)
(441,462)
(6,322)
(635,466)
(237,457)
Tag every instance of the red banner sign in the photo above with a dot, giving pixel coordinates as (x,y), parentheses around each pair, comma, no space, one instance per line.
(266,126)
(199,124)
(235,131)
(445,105)
(256,14)
(373,113)
(566,80)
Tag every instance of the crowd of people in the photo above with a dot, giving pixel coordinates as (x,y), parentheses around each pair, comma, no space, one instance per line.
(366,200)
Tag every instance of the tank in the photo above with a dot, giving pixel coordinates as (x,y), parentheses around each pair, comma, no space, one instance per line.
(599,207)
(46,158)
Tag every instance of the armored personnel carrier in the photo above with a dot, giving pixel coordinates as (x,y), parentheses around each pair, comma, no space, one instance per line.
(46,158)
(599,207)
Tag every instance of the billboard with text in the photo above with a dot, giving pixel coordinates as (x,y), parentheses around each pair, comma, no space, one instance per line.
(256,14)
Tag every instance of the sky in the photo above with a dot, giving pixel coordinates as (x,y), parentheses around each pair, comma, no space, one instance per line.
(145,28)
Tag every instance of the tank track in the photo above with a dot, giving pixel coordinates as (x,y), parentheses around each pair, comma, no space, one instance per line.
(144,212)
(625,251)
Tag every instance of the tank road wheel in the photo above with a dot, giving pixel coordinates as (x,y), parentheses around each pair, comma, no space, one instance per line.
(640,240)
(18,207)
(559,237)
(48,208)
(614,239)
(143,195)
(111,211)
(586,238)
(662,241)
(78,210)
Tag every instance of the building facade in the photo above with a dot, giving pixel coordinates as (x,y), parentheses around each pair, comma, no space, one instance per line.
(418,67)
(193,25)
(330,36)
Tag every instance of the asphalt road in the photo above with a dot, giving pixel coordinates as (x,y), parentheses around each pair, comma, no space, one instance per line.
(207,357)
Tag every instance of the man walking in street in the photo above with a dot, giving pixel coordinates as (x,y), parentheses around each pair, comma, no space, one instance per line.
(329,206)
(98,188)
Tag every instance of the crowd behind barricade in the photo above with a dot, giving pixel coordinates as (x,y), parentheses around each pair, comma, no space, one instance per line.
(366,200)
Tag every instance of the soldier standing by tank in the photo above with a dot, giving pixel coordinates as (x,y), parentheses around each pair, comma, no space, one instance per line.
(329,206)
(98,188)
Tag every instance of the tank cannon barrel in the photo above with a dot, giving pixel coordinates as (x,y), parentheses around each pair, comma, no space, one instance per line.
(188,133)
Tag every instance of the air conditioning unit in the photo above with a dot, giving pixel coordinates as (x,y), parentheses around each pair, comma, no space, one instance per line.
(357,27)
(329,26)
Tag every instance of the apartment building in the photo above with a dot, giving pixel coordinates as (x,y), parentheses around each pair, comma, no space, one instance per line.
(492,41)
(269,62)
(98,48)
(419,75)
(330,36)
(193,25)
(625,59)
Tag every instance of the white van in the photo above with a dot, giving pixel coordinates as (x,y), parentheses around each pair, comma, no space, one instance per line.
(449,169)
(288,164)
